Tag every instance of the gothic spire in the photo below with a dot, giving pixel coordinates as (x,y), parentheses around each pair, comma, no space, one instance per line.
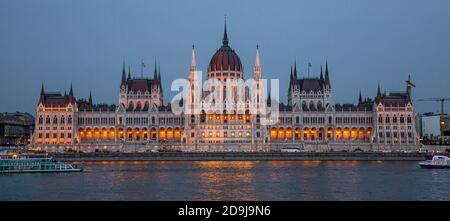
(71,90)
(360,98)
(292,76)
(193,57)
(295,69)
(321,73)
(159,77)
(42,88)
(155,73)
(124,73)
(378,90)
(257,69)
(225,35)
(90,97)
(129,72)
(327,76)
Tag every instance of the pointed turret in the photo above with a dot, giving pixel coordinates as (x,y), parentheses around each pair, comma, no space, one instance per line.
(327,76)
(321,73)
(159,78)
(257,69)
(129,72)
(193,65)
(90,97)
(295,70)
(124,73)
(360,100)
(379,90)
(42,88)
(71,90)
(155,73)
(269,100)
(292,76)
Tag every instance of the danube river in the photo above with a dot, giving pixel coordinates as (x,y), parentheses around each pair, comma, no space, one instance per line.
(233,180)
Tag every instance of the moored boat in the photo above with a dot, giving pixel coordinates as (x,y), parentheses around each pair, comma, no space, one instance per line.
(438,162)
(20,164)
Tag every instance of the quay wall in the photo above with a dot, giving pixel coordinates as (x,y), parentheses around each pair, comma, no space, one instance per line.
(239,156)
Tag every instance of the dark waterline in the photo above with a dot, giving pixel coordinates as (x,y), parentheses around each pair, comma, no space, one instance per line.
(236,180)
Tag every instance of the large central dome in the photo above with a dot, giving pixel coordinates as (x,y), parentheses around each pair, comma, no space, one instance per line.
(225,60)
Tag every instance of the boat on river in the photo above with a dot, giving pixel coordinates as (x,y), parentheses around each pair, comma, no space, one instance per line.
(438,162)
(27,164)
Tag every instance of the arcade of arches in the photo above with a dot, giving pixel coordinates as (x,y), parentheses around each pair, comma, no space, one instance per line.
(129,134)
(297,134)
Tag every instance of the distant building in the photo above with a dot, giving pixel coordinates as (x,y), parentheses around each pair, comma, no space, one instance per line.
(434,127)
(15,128)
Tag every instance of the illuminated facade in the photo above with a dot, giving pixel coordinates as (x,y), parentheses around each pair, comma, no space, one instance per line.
(142,120)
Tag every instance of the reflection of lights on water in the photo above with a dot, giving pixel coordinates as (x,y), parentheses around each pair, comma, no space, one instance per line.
(227,164)
(218,179)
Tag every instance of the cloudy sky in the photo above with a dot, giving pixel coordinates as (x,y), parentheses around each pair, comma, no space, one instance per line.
(84,42)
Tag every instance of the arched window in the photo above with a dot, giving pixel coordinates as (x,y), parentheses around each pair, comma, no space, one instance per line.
(394,119)
(408,119)
(55,120)
(41,120)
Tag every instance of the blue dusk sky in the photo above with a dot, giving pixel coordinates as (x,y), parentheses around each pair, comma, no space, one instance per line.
(84,42)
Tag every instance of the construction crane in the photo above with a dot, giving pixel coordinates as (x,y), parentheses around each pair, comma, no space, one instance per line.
(442,100)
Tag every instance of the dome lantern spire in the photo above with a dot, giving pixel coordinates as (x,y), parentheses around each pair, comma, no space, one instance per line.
(225,35)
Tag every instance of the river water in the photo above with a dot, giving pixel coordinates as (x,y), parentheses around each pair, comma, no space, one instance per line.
(233,180)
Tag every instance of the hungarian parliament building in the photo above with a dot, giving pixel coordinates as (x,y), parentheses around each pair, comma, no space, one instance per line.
(141,118)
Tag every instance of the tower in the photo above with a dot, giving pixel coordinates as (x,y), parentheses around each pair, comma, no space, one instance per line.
(193,94)
(258,90)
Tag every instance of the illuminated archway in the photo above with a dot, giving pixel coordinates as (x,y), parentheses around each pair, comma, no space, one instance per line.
(313,133)
(354,133)
(153,134)
(289,133)
(129,134)
(137,134)
(112,134)
(280,133)
(177,133)
(321,133)
(346,134)
(369,133)
(96,133)
(306,134)
(120,134)
(273,133)
(144,134)
(339,134)
(297,134)
(361,134)
(104,134)
(169,133)
(161,134)
(330,134)
(81,134)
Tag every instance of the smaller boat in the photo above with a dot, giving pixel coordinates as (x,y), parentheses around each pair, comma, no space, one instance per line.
(437,162)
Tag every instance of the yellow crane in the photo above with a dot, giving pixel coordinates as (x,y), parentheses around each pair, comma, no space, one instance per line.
(442,100)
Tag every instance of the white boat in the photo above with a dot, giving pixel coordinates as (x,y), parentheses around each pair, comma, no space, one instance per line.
(18,164)
(438,162)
